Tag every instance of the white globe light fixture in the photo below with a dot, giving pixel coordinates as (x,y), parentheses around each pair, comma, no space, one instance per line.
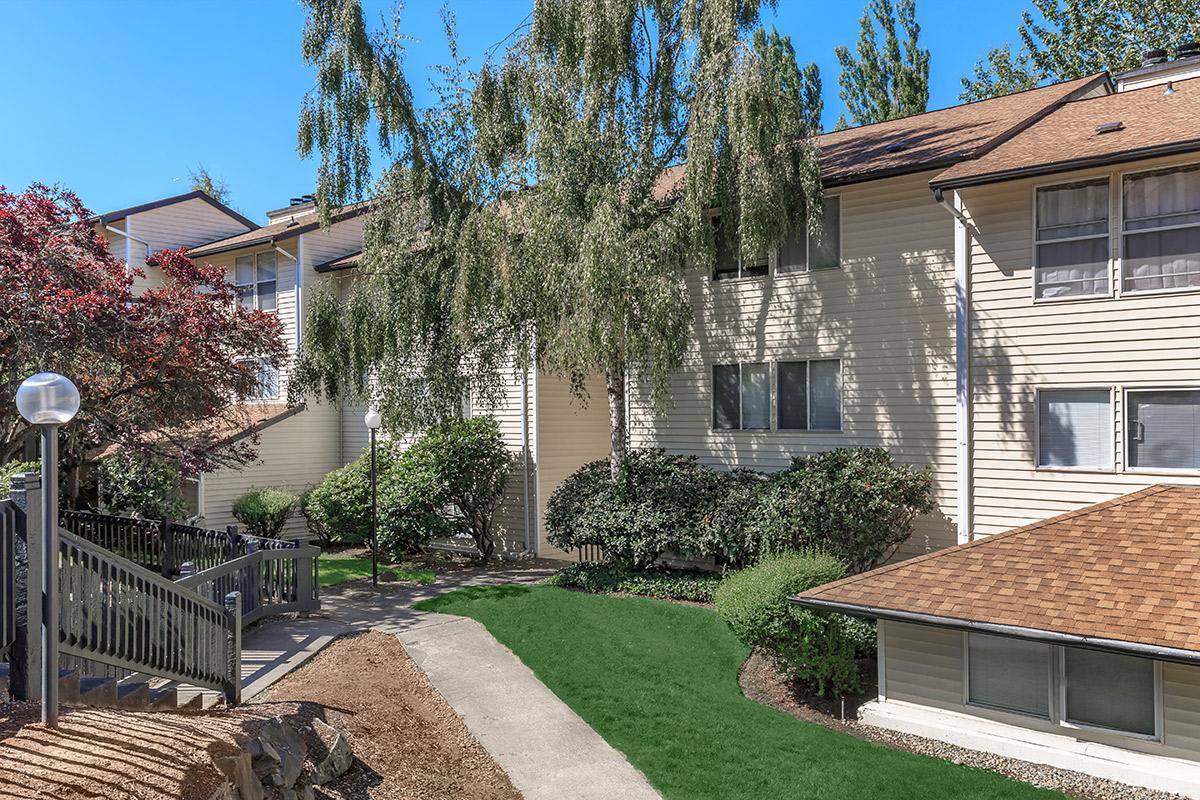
(49,400)
(372,420)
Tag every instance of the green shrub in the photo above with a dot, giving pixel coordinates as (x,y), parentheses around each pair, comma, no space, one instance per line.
(11,468)
(659,505)
(264,512)
(725,533)
(661,583)
(818,649)
(855,503)
(139,485)
(338,509)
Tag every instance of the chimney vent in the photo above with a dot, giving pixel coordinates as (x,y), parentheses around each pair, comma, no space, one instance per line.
(1152,57)
(1188,49)
(296,201)
(308,198)
(1110,127)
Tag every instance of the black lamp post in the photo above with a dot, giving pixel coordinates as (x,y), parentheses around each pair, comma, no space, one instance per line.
(372,421)
(49,400)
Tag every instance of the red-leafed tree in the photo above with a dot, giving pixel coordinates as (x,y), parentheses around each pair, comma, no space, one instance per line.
(161,371)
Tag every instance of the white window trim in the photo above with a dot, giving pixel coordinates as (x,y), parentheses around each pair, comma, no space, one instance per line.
(712,397)
(1119,250)
(1056,664)
(1112,421)
(776,255)
(1033,252)
(254,284)
(808,399)
(1125,430)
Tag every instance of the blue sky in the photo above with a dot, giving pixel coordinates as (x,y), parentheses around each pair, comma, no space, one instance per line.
(117,100)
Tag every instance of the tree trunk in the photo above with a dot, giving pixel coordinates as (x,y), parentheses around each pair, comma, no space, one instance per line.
(618,433)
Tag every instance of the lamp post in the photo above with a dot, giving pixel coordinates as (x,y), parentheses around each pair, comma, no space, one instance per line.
(373,421)
(48,400)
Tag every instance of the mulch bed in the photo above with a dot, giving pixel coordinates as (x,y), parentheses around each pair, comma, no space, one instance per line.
(407,740)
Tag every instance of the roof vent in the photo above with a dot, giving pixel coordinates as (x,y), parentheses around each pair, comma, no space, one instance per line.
(296,201)
(1153,57)
(1188,49)
(896,147)
(308,198)
(1110,127)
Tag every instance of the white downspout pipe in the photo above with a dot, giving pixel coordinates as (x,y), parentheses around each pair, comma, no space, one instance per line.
(129,240)
(962,364)
(531,543)
(299,291)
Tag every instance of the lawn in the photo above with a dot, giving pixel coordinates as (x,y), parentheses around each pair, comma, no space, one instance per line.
(335,568)
(659,682)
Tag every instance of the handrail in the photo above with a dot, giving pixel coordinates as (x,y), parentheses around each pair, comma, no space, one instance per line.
(8,569)
(124,615)
(270,581)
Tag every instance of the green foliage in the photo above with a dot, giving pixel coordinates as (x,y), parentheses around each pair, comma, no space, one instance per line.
(888,80)
(816,648)
(856,503)
(725,531)
(596,578)
(657,505)
(11,468)
(264,512)
(1070,39)
(534,216)
(338,509)
(203,181)
(139,485)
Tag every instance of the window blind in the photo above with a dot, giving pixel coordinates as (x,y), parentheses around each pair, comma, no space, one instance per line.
(825,395)
(1008,674)
(266,282)
(1074,428)
(1162,230)
(756,396)
(824,249)
(727,414)
(1109,690)
(1164,430)
(793,395)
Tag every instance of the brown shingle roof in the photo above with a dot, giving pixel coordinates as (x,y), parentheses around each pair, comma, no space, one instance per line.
(345,262)
(924,141)
(275,232)
(1125,574)
(1153,124)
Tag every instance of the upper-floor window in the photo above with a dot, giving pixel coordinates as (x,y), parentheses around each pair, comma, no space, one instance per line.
(254,277)
(810,395)
(1071,256)
(1160,230)
(1163,428)
(1075,428)
(268,379)
(803,251)
(729,261)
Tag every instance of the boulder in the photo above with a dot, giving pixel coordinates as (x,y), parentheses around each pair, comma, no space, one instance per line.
(332,755)
(281,753)
(239,772)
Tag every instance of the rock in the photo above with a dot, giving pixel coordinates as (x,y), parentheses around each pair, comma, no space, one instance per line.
(240,774)
(333,756)
(283,753)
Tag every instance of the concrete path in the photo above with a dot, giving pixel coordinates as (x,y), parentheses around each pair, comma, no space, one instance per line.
(548,751)
(273,650)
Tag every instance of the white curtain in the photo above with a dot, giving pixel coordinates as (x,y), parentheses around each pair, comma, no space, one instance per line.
(1077,266)
(1162,259)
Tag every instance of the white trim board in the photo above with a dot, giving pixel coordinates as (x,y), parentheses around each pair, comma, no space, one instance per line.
(1161,773)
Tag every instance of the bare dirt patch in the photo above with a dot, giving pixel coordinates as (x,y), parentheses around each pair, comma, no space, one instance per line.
(407,740)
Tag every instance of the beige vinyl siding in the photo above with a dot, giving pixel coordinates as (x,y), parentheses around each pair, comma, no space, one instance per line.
(925,665)
(569,435)
(887,313)
(1019,346)
(922,664)
(293,454)
(187,224)
(508,413)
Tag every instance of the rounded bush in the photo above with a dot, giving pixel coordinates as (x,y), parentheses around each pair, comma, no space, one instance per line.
(726,533)
(338,509)
(264,512)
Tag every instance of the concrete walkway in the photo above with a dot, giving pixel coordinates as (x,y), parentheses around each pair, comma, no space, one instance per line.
(548,752)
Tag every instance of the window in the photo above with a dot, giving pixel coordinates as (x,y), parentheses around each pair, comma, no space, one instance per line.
(1109,690)
(1160,230)
(1008,674)
(1075,428)
(801,251)
(1071,243)
(741,397)
(268,379)
(254,277)
(810,395)
(729,263)
(1163,429)
(1112,691)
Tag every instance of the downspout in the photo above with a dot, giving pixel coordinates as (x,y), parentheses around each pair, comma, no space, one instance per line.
(962,364)
(530,537)
(299,291)
(129,239)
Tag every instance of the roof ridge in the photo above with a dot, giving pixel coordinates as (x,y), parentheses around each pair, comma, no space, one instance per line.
(1116,501)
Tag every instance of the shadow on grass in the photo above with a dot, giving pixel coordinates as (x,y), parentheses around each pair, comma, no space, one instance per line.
(472,594)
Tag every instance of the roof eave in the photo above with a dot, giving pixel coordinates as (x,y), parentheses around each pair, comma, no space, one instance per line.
(113,216)
(999,176)
(204,251)
(1142,649)
(262,425)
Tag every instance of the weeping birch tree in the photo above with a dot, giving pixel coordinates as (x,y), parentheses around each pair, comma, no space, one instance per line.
(549,208)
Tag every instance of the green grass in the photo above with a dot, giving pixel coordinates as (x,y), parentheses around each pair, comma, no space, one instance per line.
(335,569)
(659,682)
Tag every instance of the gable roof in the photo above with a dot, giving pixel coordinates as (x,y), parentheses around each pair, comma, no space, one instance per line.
(275,232)
(112,216)
(925,141)
(1123,575)
(1067,138)
(337,264)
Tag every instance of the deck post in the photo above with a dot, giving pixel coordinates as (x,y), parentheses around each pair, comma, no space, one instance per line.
(233,643)
(166,540)
(25,680)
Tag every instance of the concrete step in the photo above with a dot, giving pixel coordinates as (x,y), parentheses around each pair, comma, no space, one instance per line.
(133,696)
(68,686)
(164,699)
(98,692)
